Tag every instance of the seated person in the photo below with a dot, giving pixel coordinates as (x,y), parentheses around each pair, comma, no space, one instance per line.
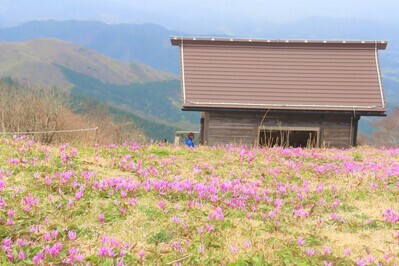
(190,140)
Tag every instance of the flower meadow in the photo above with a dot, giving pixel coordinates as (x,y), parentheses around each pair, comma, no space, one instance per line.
(228,205)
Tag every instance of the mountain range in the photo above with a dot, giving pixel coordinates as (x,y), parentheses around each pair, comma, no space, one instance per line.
(38,61)
(147,43)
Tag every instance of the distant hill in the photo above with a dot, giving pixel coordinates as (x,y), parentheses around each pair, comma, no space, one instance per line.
(38,60)
(152,130)
(157,101)
(146,43)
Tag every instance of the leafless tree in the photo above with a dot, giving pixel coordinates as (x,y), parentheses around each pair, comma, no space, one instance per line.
(387,133)
(28,108)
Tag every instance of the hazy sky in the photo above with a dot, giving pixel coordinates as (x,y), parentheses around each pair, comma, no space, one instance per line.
(183,14)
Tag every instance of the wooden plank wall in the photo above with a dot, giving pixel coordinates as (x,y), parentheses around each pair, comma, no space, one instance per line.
(336,130)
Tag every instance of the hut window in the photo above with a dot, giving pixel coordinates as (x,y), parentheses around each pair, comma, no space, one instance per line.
(289,136)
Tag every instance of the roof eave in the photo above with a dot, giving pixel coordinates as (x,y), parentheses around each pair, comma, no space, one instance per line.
(362,112)
(178,40)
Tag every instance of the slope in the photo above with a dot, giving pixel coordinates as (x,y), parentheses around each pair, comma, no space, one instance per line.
(157,101)
(37,60)
(146,43)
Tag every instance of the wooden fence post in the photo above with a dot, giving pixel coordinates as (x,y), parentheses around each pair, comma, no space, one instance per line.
(96,136)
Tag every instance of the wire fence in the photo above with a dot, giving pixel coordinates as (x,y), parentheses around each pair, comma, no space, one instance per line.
(50,131)
(95,129)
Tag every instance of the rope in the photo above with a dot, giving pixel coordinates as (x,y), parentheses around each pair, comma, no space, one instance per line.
(44,132)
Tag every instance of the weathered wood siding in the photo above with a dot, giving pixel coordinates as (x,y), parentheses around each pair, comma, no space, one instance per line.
(336,130)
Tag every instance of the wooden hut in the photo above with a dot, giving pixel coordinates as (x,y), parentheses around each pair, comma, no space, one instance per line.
(280,92)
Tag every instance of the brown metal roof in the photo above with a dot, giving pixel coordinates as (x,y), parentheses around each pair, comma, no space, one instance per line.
(280,74)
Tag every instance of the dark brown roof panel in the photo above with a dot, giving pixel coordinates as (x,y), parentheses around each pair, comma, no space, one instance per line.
(314,75)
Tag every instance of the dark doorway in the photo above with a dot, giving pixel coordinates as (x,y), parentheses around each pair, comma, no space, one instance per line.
(289,137)
(302,139)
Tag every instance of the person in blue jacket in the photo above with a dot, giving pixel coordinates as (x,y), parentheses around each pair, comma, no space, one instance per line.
(190,140)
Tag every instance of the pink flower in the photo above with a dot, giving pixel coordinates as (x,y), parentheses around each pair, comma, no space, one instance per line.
(10,256)
(141,254)
(7,243)
(103,251)
(217,214)
(334,216)
(176,245)
(361,262)
(71,235)
(54,234)
(310,252)
(278,202)
(209,227)
(2,203)
(201,249)
(327,250)
(79,195)
(347,252)
(301,241)
(47,236)
(335,203)
(21,242)
(234,249)
(101,217)
(10,213)
(122,253)
(391,216)
(21,255)
(55,249)
(79,257)
(119,262)
(37,258)
(200,230)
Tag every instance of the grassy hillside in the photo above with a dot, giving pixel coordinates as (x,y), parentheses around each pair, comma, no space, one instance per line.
(36,61)
(152,130)
(157,101)
(165,205)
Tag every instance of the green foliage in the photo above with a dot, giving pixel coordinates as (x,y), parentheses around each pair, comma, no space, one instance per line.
(151,212)
(153,107)
(358,157)
(156,100)
(160,237)
(7,81)
(152,130)
(251,260)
